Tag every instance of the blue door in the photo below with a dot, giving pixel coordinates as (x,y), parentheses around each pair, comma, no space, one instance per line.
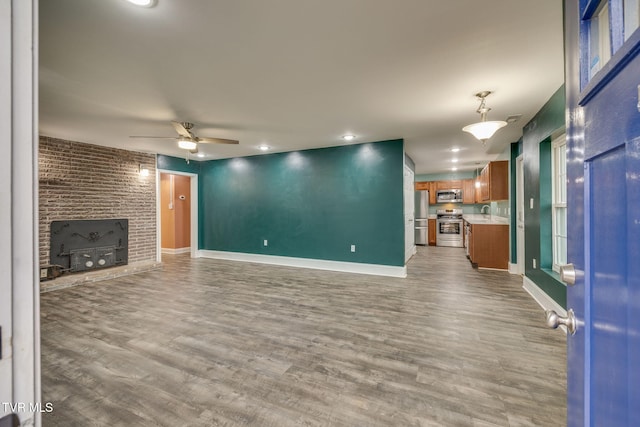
(603,166)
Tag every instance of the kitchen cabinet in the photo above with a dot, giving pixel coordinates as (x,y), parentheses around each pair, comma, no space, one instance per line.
(489,245)
(424,185)
(432,193)
(494,181)
(468,191)
(432,232)
(452,184)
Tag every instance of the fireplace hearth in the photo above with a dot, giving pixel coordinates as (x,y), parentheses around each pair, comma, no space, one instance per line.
(81,245)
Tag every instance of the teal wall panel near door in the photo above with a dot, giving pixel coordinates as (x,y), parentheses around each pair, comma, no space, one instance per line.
(308,204)
(177,164)
(547,122)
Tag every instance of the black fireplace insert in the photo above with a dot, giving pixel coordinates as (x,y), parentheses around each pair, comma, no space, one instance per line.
(80,245)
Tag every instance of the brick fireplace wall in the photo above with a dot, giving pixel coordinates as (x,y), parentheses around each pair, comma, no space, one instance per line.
(85,181)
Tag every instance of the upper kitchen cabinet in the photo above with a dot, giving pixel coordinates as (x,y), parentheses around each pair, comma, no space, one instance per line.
(425,185)
(453,184)
(494,181)
(468,191)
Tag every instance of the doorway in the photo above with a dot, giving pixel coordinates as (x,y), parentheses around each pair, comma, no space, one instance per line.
(177,200)
(520,215)
(409,210)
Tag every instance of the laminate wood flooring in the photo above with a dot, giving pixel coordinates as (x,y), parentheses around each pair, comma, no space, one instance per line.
(220,343)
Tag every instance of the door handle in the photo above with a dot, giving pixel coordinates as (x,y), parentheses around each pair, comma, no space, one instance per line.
(554,320)
(568,274)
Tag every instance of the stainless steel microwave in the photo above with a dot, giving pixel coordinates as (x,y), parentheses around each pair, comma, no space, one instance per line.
(449,196)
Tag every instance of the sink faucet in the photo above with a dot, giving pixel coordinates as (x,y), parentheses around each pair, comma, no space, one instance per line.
(485,206)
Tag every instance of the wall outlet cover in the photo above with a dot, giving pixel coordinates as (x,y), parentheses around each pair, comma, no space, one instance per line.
(265,242)
(353,248)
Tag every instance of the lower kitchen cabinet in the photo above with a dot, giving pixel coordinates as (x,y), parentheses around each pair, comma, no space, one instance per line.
(432,232)
(489,245)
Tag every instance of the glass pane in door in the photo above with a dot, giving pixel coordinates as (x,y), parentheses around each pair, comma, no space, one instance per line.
(631,17)
(599,39)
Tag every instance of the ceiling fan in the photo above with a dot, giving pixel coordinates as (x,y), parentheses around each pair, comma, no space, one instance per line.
(187,140)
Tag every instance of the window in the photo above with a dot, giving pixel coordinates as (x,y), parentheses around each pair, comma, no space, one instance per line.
(559,201)
(599,39)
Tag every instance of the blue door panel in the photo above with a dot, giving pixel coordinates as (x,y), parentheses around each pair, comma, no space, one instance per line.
(603,200)
(611,116)
(633,265)
(607,285)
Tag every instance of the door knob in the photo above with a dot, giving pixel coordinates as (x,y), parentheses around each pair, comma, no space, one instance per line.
(568,274)
(554,320)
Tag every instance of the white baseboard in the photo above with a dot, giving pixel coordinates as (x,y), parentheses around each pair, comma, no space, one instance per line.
(513,268)
(317,264)
(176,251)
(541,297)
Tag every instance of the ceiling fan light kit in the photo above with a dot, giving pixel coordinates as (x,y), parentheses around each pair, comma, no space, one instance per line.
(483,130)
(187,140)
(187,144)
(143,3)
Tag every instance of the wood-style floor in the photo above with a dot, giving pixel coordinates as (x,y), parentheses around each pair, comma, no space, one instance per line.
(220,343)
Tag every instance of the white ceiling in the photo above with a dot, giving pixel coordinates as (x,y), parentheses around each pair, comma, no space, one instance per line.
(297,74)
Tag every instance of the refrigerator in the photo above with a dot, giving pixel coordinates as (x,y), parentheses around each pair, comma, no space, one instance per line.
(421,219)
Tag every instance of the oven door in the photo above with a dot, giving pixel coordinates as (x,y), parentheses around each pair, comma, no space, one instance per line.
(449,233)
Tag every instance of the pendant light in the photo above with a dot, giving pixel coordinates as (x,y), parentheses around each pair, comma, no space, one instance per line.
(484,129)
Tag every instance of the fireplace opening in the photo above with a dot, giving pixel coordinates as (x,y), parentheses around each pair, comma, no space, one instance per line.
(82,245)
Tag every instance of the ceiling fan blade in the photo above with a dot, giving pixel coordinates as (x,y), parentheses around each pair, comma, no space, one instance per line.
(181,129)
(217,140)
(152,137)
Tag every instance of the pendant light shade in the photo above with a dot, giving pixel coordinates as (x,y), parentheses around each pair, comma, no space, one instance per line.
(483,130)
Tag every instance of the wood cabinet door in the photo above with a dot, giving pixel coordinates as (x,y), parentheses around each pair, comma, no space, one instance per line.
(432,193)
(432,232)
(484,184)
(468,191)
(423,185)
(499,180)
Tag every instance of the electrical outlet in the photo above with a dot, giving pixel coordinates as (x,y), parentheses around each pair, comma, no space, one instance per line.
(353,248)
(265,242)
(535,263)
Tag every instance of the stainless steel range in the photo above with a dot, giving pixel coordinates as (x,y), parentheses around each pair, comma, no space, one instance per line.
(449,228)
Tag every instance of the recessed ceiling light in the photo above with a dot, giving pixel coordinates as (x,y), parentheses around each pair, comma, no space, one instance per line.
(264,147)
(201,155)
(454,160)
(454,169)
(348,137)
(143,3)
(455,150)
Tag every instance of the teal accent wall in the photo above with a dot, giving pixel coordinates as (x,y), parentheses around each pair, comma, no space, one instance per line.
(549,120)
(177,164)
(308,204)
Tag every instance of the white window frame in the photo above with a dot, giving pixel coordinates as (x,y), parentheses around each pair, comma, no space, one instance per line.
(631,17)
(558,190)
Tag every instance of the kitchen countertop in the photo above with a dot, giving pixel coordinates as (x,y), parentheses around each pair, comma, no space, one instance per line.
(485,219)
